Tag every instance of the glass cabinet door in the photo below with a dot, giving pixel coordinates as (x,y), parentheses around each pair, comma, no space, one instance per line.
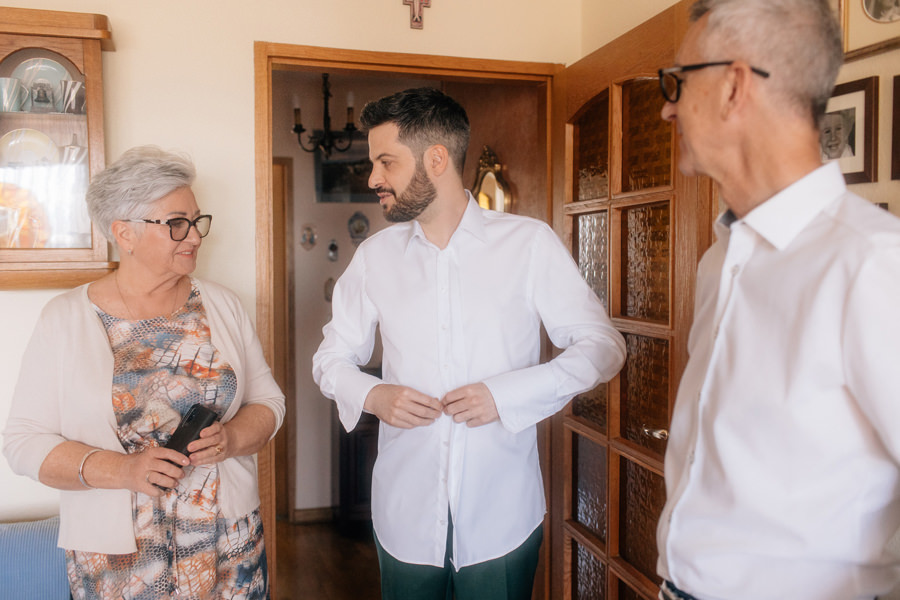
(51,142)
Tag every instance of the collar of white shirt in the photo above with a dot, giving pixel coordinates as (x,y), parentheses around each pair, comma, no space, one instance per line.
(782,217)
(472,222)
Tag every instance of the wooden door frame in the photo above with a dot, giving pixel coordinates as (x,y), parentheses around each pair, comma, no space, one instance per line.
(269,57)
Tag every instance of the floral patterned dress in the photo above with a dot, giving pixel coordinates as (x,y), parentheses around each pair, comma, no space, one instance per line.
(186,548)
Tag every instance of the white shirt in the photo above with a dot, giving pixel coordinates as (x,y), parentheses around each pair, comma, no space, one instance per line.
(469,313)
(783,462)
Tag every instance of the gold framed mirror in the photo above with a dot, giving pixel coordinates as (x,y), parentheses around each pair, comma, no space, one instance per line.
(490,189)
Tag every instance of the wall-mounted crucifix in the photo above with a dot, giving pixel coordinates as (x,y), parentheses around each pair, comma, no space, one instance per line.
(416,16)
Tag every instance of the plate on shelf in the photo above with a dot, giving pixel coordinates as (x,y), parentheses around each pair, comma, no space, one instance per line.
(41,77)
(21,147)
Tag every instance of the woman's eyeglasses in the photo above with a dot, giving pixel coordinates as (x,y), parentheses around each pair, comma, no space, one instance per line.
(670,82)
(179,226)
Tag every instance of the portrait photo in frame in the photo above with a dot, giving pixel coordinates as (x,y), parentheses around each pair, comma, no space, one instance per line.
(869,26)
(847,132)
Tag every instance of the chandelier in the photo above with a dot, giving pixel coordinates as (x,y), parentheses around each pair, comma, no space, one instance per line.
(326,140)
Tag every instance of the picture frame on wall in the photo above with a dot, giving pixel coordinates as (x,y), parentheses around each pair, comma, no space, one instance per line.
(895,133)
(869,26)
(848,131)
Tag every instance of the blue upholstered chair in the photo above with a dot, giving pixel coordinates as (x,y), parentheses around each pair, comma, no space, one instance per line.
(31,566)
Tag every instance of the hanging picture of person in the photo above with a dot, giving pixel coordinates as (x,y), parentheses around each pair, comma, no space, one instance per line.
(847,132)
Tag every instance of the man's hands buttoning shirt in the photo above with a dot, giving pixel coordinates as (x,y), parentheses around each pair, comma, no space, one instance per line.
(404,407)
(401,406)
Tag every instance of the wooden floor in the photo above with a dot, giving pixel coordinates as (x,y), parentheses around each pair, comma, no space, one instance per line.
(315,562)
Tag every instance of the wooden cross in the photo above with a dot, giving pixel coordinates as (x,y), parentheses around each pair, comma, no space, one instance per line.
(416,18)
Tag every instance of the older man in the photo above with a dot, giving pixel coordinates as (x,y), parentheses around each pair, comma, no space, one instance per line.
(783,464)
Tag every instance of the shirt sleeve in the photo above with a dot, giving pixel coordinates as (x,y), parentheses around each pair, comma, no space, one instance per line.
(593,351)
(870,330)
(349,339)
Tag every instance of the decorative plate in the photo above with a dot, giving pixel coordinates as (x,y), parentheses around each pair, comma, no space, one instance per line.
(26,147)
(41,77)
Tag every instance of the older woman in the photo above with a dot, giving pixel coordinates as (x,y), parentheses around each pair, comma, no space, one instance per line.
(111,368)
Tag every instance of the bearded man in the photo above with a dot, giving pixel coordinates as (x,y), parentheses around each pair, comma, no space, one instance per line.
(458,294)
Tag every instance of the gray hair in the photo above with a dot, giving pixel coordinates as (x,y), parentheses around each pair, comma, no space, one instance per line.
(128,188)
(797,41)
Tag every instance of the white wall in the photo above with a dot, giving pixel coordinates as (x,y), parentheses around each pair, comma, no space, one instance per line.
(602,22)
(181,76)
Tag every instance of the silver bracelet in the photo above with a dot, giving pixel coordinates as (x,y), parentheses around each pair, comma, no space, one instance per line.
(81,469)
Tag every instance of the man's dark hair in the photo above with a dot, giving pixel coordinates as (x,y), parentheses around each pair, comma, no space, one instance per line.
(425,117)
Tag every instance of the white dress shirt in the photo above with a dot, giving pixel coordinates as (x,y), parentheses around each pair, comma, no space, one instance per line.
(469,313)
(783,461)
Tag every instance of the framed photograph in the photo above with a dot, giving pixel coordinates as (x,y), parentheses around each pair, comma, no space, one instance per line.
(848,131)
(895,134)
(344,176)
(869,26)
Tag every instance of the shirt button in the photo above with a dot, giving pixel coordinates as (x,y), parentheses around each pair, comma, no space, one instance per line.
(691,458)
(734,270)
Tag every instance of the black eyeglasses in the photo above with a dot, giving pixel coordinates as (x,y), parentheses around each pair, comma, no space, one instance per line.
(179,226)
(670,82)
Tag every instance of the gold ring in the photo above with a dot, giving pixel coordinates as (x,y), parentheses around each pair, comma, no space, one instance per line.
(218,449)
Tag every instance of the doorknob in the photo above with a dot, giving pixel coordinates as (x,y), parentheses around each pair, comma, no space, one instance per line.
(659,434)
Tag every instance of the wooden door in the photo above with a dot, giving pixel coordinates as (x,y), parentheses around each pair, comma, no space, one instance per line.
(636,228)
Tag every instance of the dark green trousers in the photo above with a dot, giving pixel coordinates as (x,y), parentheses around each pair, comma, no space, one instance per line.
(509,577)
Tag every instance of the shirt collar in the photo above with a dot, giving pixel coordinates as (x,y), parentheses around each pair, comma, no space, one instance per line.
(783,216)
(472,222)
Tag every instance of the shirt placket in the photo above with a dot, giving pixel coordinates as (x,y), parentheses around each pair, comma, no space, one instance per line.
(445,425)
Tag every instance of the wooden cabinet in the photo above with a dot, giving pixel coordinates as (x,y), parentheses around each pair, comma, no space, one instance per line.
(637,228)
(51,143)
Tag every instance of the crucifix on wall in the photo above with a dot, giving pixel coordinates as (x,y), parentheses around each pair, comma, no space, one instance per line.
(416,16)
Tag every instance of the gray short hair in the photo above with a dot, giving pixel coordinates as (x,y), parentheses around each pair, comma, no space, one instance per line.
(128,188)
(797,41)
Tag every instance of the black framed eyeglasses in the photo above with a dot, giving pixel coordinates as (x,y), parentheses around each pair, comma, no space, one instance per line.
(670,82)
(179,226)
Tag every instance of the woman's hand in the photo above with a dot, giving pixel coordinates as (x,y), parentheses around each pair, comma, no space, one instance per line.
(153,471)
(211,447)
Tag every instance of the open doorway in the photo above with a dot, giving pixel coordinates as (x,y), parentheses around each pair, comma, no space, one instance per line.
(509,107)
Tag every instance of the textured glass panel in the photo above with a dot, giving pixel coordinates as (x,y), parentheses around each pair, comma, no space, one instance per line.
(592,406)
(592,150)
(626,593)
(646,139)
(588,575)
(644,387)
(645,262)
(643,494)
(593,252)
(589,484)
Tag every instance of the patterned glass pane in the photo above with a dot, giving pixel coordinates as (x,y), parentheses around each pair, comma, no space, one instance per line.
(644,386)
(642,496)
(593,252)
(588,574)
(592,151)
(626,593)
(592,406)
(646,139)
(645,262)
(589,485)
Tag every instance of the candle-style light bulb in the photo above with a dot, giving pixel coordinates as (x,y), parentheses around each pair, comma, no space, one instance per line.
(297,120)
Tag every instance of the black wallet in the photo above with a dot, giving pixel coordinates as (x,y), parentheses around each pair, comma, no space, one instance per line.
(195,420)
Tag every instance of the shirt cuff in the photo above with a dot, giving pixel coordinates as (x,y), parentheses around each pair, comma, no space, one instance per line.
(524,397)
(350,393)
